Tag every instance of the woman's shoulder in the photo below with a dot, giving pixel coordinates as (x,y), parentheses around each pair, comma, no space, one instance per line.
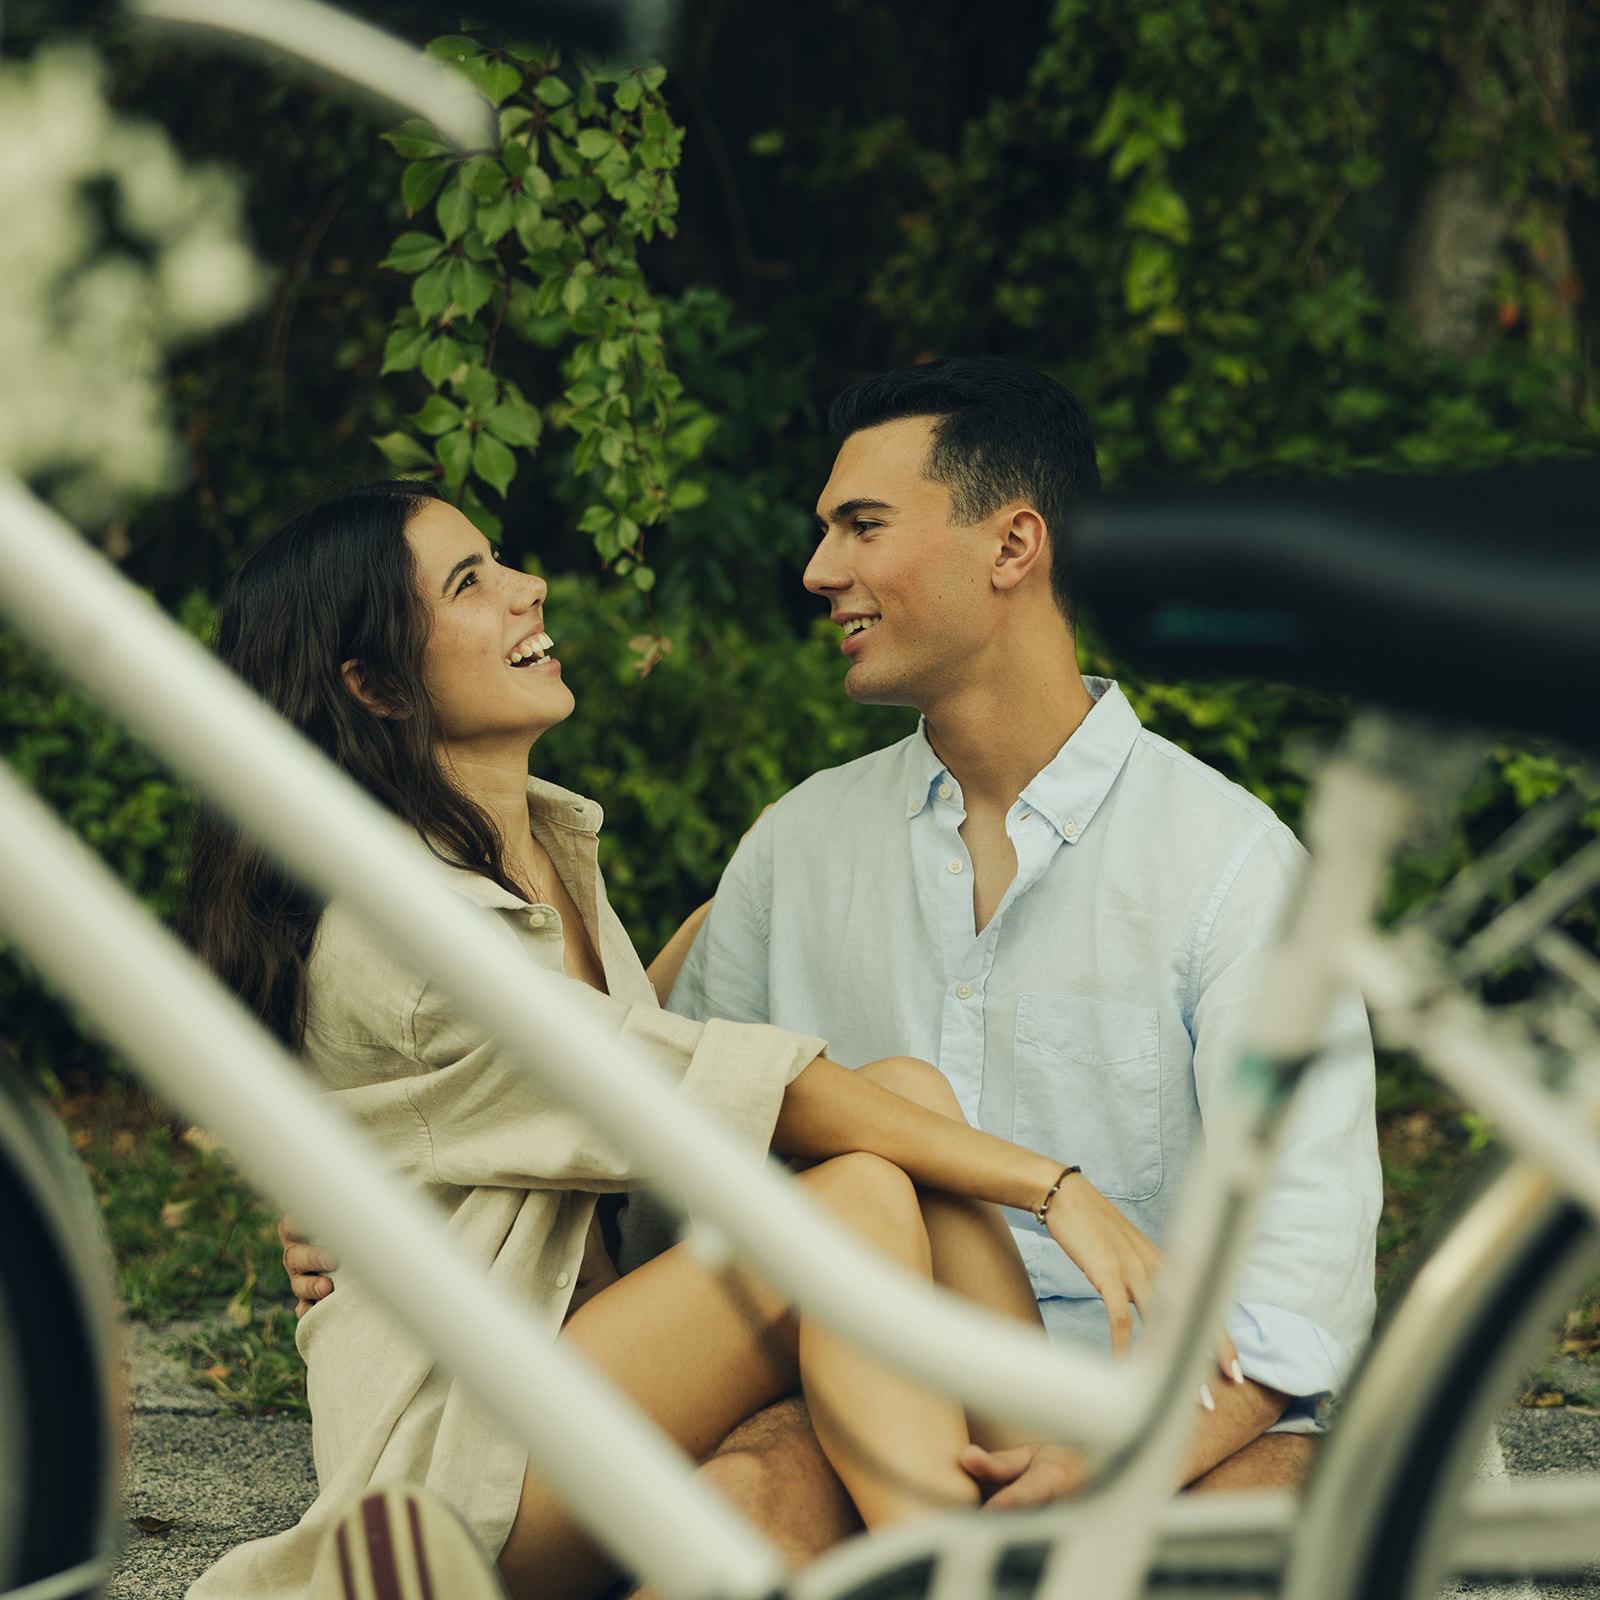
(361,1001)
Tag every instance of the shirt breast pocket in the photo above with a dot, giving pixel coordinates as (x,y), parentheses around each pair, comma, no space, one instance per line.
(1088,1089)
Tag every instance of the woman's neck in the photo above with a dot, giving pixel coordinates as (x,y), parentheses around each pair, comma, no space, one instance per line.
(499,788)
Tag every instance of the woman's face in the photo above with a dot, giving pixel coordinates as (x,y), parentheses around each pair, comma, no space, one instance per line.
(494,684)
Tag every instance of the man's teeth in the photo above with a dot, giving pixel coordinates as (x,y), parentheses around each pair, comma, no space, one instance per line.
(857,624)
(532,649)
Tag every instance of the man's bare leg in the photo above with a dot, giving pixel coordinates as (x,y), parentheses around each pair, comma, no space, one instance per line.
(773,1470)
(1273,1461)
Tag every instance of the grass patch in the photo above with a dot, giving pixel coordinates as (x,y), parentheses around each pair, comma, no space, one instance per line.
(191,1239)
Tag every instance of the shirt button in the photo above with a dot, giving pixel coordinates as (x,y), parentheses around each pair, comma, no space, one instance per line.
(562,1280)
(1071,830)
(944,791)
(955,866)
(963,991)
(537,919)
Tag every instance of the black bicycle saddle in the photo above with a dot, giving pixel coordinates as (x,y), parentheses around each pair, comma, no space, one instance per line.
(1474,598)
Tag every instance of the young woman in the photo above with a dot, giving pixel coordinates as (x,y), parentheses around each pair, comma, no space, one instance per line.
(382,625)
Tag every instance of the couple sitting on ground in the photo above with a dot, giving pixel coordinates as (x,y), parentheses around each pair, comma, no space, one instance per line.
(1061,912)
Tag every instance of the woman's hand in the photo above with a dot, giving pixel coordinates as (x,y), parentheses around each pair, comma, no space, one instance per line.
(1114,1255)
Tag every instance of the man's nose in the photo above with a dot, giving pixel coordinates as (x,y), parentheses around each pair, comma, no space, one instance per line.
(823,569)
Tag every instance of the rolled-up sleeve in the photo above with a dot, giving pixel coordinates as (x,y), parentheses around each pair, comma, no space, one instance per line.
(1305,1298)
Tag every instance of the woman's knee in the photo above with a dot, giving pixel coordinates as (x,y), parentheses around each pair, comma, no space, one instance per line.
(875,1197)
(915,1080)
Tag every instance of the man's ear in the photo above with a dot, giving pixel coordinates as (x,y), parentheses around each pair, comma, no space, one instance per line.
(1022,544)
(354,674)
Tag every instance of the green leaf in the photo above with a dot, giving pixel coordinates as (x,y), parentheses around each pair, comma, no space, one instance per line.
(420,183)
(512,120)
(479,515)
(411,252)
(430,294)
(416,140)
(628,92)
(471,285)
(594,143)
(438,415)
(403,451)
(1151,280)
(479,389)
(1158,208)
(455,48)
(403,349)
(516,424)
(455,210)
(455,453)
(484,176)
(497,80)
(611,448)
(526,217)
(495,217)
(442,358)
(494,463)
(574,293)
(552,91)
(517,157)
(644,579)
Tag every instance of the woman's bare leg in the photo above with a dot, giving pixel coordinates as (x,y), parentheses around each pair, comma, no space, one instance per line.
(973,1251)
(699,1355)
(895,1445)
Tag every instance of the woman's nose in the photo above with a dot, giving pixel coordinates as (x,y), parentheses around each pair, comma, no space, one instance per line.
(530,592)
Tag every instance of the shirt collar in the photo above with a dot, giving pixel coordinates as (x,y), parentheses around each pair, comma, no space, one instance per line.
(548,804)
(1067,793)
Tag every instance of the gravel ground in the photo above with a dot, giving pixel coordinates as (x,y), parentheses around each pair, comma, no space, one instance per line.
(222,1480)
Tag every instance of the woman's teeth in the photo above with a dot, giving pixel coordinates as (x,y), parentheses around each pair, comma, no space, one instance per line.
(533,649)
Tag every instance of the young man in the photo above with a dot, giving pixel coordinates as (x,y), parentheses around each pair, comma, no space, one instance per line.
(1061,910)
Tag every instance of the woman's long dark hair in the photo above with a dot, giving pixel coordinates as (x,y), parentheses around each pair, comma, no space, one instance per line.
(335,584)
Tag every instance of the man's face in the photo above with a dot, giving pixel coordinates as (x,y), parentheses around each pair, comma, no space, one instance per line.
(906,585)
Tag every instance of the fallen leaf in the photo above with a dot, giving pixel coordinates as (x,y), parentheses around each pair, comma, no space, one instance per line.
(81,1138)
(219,1372)
(1551,1397)
(154,1524)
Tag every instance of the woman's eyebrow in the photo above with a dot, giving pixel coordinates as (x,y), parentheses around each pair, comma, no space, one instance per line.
(455,572)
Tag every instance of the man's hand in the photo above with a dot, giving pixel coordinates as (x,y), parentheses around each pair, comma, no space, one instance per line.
(306,1264)
(1026,1475)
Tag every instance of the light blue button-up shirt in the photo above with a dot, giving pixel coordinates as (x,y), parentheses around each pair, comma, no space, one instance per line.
(1094,1018)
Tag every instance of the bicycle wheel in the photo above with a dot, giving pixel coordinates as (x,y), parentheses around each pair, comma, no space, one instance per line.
(1383,1504)
(60,1388)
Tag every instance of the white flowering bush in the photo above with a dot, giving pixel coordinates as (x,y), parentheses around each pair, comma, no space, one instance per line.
(111,251)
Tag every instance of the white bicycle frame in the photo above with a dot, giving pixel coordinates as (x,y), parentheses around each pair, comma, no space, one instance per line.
(206,1057)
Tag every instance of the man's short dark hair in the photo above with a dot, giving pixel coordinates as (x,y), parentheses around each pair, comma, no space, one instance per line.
(1002,432)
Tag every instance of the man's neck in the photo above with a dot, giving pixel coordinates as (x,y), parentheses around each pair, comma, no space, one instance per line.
(999,732)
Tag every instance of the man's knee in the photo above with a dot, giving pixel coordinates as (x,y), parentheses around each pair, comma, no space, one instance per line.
(772,1468)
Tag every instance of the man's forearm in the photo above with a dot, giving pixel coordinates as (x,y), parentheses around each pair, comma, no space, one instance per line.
(1244,1411)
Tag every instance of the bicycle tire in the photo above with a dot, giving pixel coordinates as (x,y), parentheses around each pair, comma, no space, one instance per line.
(1381,1506)
(60,1382)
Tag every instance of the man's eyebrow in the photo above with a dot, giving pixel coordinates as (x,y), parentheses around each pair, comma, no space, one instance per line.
(455,572)
(848,508)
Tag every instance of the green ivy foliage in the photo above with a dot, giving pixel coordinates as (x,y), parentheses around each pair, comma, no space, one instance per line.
(539,242)
(1188,216)
(116,797)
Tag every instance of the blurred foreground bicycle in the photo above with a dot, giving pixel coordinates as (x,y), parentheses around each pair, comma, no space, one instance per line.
(1309,587)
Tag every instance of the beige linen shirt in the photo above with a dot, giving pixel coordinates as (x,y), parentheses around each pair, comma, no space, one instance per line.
(516,1172)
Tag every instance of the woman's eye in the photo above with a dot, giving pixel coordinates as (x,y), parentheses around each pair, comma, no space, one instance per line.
(467,582)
